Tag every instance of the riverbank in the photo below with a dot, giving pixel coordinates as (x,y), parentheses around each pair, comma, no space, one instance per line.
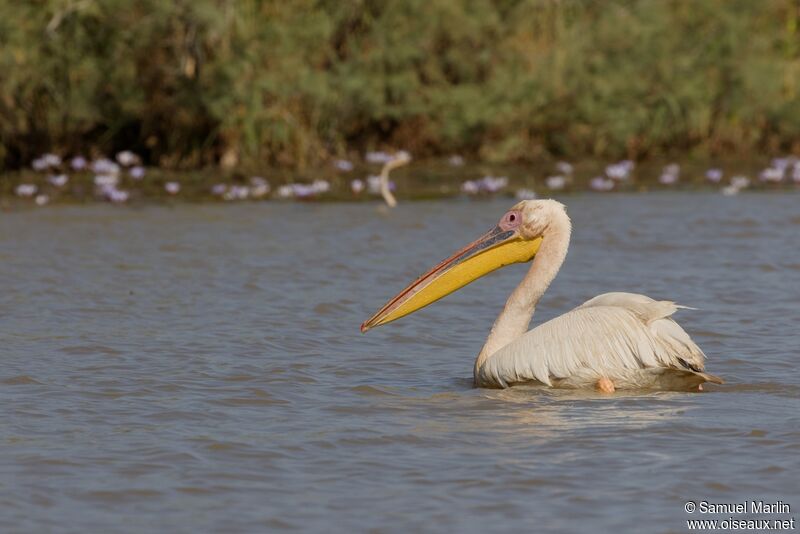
(104,180)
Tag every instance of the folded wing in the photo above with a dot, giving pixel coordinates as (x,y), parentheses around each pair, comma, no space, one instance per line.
(611,335)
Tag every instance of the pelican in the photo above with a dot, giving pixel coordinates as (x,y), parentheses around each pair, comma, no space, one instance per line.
(613,341)
(398,160)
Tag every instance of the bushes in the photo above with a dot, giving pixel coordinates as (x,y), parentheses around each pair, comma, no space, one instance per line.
(292,83)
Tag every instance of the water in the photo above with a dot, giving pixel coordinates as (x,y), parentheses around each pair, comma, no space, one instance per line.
(200,368)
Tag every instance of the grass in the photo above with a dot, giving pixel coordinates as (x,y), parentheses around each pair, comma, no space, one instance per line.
(293,84)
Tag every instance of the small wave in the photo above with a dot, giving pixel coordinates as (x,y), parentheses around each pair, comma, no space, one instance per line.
(20,380)
(371,391)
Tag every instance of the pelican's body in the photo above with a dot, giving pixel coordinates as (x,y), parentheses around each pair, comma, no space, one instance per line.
(628,339)
(613,341)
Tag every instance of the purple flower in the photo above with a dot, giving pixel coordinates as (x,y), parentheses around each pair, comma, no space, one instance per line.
(173,188)
(303,190)
(320,186)
(714,175)
(58,180)
(377,157)
(564,168)
(737,184)
(385,157)
(487,185)
(105,166)
(470,187)
(137,172)
(285,191)
(46,161)
(343,165)
(52,160)
(237,192)
(556,182)
(117,196)
(492,184)
(260,190)
(39,165)
(455,160)
(126,158)
(26,190)
(782,163)
(106,180)
(740,182)
(374,184)
(599,183)
(730,190)
(619,171)
(668,179)
(78,163)
(670,174)
(260,187)
(771,174)
(403,155)
(357,186)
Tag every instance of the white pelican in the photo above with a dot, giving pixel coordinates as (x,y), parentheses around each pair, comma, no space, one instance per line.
(398,160)
(613,341)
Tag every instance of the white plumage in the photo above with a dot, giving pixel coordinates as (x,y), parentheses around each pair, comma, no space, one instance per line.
(628,338)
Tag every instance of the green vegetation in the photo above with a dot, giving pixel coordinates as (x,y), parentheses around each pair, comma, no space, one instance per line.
(293,83)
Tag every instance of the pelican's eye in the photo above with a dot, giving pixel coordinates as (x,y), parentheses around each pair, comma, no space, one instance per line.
(511,220)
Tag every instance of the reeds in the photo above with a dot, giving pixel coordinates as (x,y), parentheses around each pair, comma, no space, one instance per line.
(248,82)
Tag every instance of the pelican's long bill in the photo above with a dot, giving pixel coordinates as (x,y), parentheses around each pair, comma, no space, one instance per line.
(496,249)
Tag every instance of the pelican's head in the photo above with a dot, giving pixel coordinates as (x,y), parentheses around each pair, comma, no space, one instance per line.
(515,239)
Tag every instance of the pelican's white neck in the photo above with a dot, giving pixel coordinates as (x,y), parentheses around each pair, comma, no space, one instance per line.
(516,317)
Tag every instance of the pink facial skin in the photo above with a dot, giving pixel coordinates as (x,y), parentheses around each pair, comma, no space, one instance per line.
(510,220)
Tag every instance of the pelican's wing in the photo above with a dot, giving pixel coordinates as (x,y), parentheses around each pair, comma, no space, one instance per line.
(607,335)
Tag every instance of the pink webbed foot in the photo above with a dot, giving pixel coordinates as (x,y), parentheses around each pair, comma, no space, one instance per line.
(605,385)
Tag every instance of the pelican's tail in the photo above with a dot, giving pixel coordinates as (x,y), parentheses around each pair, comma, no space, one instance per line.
(714,379)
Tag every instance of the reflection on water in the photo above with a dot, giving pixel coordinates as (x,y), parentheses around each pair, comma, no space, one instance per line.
(200,368)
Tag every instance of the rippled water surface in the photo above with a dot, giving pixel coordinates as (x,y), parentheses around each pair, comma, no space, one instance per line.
(198,368)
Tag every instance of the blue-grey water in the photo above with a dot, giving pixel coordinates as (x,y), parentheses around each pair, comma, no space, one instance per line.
(200,368)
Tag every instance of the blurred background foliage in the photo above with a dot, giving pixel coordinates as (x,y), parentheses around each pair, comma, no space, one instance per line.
(294,82)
